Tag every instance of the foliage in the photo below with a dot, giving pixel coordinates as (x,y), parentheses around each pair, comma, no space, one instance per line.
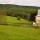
(15,10)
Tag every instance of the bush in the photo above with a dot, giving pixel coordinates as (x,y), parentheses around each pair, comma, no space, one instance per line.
(18,18)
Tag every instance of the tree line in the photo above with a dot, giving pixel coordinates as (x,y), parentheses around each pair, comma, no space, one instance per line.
(25,12)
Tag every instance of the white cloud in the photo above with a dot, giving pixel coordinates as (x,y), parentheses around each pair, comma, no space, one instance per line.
(21,2)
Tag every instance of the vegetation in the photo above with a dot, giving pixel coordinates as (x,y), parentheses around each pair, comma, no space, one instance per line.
(15,10)
(18,30)
(18,33)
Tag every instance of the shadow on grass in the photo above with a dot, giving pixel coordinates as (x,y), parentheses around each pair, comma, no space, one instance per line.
(19,24)
(27,25)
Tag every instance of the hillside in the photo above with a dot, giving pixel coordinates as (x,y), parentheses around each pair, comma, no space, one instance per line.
(14,26)
(18,9)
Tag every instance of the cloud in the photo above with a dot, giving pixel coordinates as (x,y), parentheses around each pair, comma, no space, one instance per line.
(21,2)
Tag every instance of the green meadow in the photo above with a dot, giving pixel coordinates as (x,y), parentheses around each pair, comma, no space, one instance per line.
(18,30)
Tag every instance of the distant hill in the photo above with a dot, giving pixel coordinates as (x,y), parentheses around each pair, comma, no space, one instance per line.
(11,5)
(10,8)
(16,10)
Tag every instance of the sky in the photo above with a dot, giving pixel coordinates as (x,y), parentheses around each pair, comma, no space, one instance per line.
(22,2)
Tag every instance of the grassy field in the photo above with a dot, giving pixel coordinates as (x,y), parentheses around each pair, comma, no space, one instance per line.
(18,32)
(14,22)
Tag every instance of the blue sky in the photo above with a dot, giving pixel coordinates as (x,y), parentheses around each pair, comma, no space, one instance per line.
(22,2)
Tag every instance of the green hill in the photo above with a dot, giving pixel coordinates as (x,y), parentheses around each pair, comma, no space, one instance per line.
(18,9)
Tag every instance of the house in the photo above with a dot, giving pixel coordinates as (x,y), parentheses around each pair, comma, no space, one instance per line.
(37,19)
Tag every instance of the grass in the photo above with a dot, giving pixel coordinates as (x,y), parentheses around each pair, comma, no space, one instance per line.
(12,32)
(14,20)
(18,33)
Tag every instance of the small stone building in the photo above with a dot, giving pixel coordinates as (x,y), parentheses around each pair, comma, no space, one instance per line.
(37,18)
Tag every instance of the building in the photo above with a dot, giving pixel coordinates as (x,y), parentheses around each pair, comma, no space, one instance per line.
(38,18)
